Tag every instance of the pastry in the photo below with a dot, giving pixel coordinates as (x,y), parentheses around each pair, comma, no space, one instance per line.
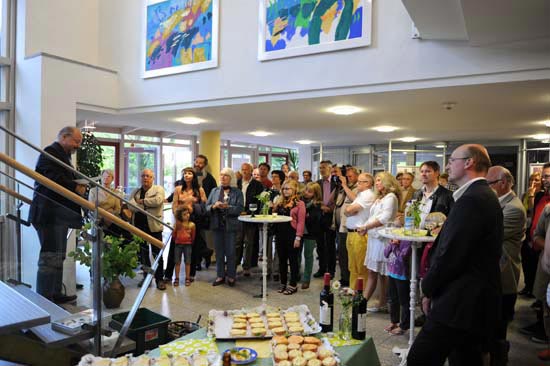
(312,340)
(238,332)
(296,329)
(258,332)
(280,347)
(309,347)
(278,331)
(180,360)
(314,362)
(299,361)
(142,360)
(273,315)
(293,324)
(255,320)
(252,315)
(239,316)
(98,361)
(280,356)
(285,363)
(272,325)
(161,361)
(329,361)
(121,361)
(280,340)
(324,353)
(239,326)
(308,355)
(292,354)
(292,314)
(292,346)
(296,339)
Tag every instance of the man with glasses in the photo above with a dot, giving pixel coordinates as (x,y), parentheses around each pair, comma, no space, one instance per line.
(501,181)
(462,285)
(357,214)
(52,215)
(150,198)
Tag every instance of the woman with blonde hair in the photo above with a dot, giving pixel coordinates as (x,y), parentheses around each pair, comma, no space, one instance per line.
(288,237)
(313,199)
(383,211)
(110,202)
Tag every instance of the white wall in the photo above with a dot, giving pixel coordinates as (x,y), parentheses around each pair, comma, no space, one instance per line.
(392,59)
(65,28)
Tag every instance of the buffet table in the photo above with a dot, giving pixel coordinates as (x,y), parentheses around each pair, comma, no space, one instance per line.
(363,354)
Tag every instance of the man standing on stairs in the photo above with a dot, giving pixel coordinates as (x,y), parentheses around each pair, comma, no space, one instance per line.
(52,214)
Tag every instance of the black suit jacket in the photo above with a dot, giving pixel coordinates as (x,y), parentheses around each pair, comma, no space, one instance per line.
(48,207)
(326,218)
(442,200)
(464,276)
(208,184)
(254,189)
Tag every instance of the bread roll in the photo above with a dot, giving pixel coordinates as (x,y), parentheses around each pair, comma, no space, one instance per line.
(238,332)
(280,340)
(299,361)
(293,346)
(292,354)
(329,361)
(278,331)
(309,347)
(280,347)
(296,329)
(314,362)
(312,340)
(324,353)
(280,356)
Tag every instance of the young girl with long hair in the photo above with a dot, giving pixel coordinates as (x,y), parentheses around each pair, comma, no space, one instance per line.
(184,236)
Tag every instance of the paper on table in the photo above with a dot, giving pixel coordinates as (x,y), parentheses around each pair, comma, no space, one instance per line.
(188,346)
(336,341)
(263,348)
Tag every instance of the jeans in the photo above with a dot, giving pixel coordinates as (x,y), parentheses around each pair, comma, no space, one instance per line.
(308,245)
(53,243)
(146,260)
(399,291)
(225,250)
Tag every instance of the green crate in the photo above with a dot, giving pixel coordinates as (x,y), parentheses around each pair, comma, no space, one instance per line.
(148,329)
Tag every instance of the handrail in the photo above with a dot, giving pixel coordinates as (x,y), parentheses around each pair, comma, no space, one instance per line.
(13,193)
(90,181)
(79,200)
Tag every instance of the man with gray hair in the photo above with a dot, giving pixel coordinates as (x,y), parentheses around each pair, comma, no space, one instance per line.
(52,214)
(150,198)
(501,181)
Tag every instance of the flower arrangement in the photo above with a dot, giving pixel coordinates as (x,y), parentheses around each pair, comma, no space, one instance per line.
(345,296)
(265,199)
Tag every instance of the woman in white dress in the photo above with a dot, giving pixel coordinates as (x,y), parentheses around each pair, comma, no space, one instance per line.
(383,210)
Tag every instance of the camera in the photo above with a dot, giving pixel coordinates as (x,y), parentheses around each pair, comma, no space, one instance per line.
(336,178)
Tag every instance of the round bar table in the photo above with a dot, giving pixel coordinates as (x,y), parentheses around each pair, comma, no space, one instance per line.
(416,242)
(265,220)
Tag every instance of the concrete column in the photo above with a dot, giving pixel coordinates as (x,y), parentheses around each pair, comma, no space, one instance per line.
(210,147)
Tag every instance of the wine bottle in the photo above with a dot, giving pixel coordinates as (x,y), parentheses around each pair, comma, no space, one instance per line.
(326,313)
(359,312)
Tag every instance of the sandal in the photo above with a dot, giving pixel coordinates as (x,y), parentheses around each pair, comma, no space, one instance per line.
(390,327)
(290,290)
(187,282)
(191,279)
(397,331)
(281,289)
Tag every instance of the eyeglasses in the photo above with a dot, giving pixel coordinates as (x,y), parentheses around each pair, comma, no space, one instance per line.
(146,176)
(491,182)
(452,160)
(363,181)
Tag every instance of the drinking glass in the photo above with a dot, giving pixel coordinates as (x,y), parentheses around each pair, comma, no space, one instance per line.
(252,207)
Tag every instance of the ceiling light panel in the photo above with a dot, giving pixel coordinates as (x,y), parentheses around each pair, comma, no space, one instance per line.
(344,110)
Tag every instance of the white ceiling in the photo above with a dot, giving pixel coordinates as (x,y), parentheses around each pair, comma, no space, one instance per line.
(501,111)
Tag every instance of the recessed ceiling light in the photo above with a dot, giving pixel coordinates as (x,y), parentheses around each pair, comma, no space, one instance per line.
(260,133)
(541,136)
(438,155)
(304,142)
(385,128)
(545,141)
(439,146)
(547,123)
(409,139)
(191,120)
(344,110)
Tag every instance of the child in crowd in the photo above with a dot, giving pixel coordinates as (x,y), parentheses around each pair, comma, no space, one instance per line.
(313,200)
(398,253)
(184,234)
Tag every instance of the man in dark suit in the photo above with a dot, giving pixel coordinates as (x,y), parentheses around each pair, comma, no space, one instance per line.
(247,242)
(462,286)
(52,215)
(501,181)
(206,180)
(326,246)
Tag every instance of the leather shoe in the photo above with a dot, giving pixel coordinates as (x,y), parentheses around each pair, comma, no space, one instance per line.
(161,286)
(217,282)
(62,299)
(208,258)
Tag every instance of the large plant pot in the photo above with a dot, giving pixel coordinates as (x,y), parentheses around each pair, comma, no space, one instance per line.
(113,293)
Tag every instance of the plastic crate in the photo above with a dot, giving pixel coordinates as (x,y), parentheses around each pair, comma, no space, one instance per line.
(148,329)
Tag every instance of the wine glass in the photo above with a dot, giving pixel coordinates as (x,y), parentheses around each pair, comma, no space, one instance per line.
(252,207)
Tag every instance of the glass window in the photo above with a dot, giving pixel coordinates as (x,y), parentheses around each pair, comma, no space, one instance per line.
(238,159)
(176,141)
(175,160)
(107,135)
(135,160)
(142,138)
(277,161)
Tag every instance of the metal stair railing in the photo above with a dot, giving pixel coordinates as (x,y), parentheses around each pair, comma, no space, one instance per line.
(96,249)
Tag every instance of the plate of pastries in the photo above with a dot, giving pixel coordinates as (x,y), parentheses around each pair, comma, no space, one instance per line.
(297,350)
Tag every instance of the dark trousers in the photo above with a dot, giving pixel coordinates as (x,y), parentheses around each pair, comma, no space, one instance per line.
(529,262)
(53,247)
(199,251)
(170,262)
(399,297)
(247,244)
(144,255)
(343,259)
(508,311)
(284,242)
(436,342)
(326,250)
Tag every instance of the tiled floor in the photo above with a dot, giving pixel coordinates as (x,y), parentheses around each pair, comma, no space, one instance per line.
(188,303)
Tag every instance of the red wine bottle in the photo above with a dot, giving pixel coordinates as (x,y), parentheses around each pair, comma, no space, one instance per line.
(359,312)
(326,313)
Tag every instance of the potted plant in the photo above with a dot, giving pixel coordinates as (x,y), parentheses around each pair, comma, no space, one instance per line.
(118,259)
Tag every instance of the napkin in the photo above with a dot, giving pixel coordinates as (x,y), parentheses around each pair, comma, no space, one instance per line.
(188,346)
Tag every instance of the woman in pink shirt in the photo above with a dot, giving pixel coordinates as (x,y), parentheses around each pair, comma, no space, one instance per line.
(288,237)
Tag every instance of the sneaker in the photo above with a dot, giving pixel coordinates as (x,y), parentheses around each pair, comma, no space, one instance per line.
(378,309)
(544,355)
(535,328)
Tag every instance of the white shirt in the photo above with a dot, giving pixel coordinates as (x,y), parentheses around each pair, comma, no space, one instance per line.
(426,204)
(365,199)
(244,188)
(459,192)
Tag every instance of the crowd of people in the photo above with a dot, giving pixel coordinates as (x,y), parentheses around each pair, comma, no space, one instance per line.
(469,275)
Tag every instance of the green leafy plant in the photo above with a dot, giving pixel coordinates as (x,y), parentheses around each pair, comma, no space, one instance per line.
(117,259)
(416,209)
(89,158)
(294,159)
